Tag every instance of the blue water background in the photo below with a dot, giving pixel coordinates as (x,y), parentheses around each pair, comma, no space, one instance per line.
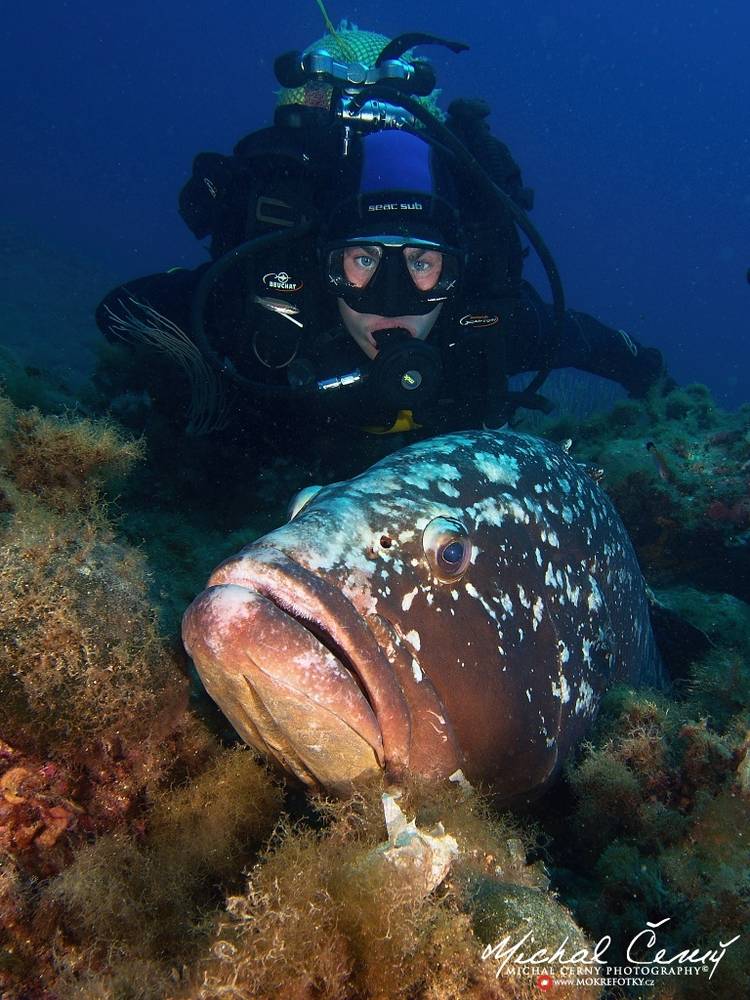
(630,121)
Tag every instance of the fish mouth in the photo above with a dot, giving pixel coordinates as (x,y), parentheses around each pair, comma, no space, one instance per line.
(298,672)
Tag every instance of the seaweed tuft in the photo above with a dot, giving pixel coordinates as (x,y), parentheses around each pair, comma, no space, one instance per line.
(151,896)
(322,916)
(65,461)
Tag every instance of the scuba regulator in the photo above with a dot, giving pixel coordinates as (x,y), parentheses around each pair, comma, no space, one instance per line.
(405,375)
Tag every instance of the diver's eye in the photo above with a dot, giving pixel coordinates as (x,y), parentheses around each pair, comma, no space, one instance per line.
(447,547)
(359,264)
(300,500)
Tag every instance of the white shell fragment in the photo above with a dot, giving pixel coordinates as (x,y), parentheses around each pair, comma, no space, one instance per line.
(423,858)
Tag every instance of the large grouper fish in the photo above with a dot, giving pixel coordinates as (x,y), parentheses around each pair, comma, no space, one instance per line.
(463,604)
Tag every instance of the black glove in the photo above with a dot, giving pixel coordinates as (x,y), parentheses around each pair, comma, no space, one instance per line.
(644,371)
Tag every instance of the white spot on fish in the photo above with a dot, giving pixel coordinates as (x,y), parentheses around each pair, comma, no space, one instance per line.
(424,474)
(497,468)
(565,689)
(447,490)
(573,592)
(517,512)
(561,691)
(537,612)
(413,638)
(408,598)
(487,511)
(533,508)
(595,597)
(585,700)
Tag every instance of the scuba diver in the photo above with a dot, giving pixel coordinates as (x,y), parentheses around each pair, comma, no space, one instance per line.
(366,267)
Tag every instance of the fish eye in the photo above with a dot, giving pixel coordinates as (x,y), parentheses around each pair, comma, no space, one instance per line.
(447,546)
(300,500)
(452,553)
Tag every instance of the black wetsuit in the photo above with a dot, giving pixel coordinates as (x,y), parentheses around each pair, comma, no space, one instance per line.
(268,321)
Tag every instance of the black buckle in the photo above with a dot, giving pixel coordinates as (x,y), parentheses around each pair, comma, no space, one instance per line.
(266,210)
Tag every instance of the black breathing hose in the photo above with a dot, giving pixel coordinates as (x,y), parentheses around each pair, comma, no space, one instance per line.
(206,284)
(434,128)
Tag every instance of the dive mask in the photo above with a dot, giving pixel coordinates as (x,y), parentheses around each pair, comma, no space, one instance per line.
(391,275)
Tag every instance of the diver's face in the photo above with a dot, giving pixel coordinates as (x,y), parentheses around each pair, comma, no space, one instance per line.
(362,326)
(423,265)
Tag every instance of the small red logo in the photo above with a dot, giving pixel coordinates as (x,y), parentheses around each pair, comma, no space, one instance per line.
(545,983)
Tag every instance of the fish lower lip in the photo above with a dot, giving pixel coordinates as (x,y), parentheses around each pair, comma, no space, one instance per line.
(320,745)
(327,622)
(282,689)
